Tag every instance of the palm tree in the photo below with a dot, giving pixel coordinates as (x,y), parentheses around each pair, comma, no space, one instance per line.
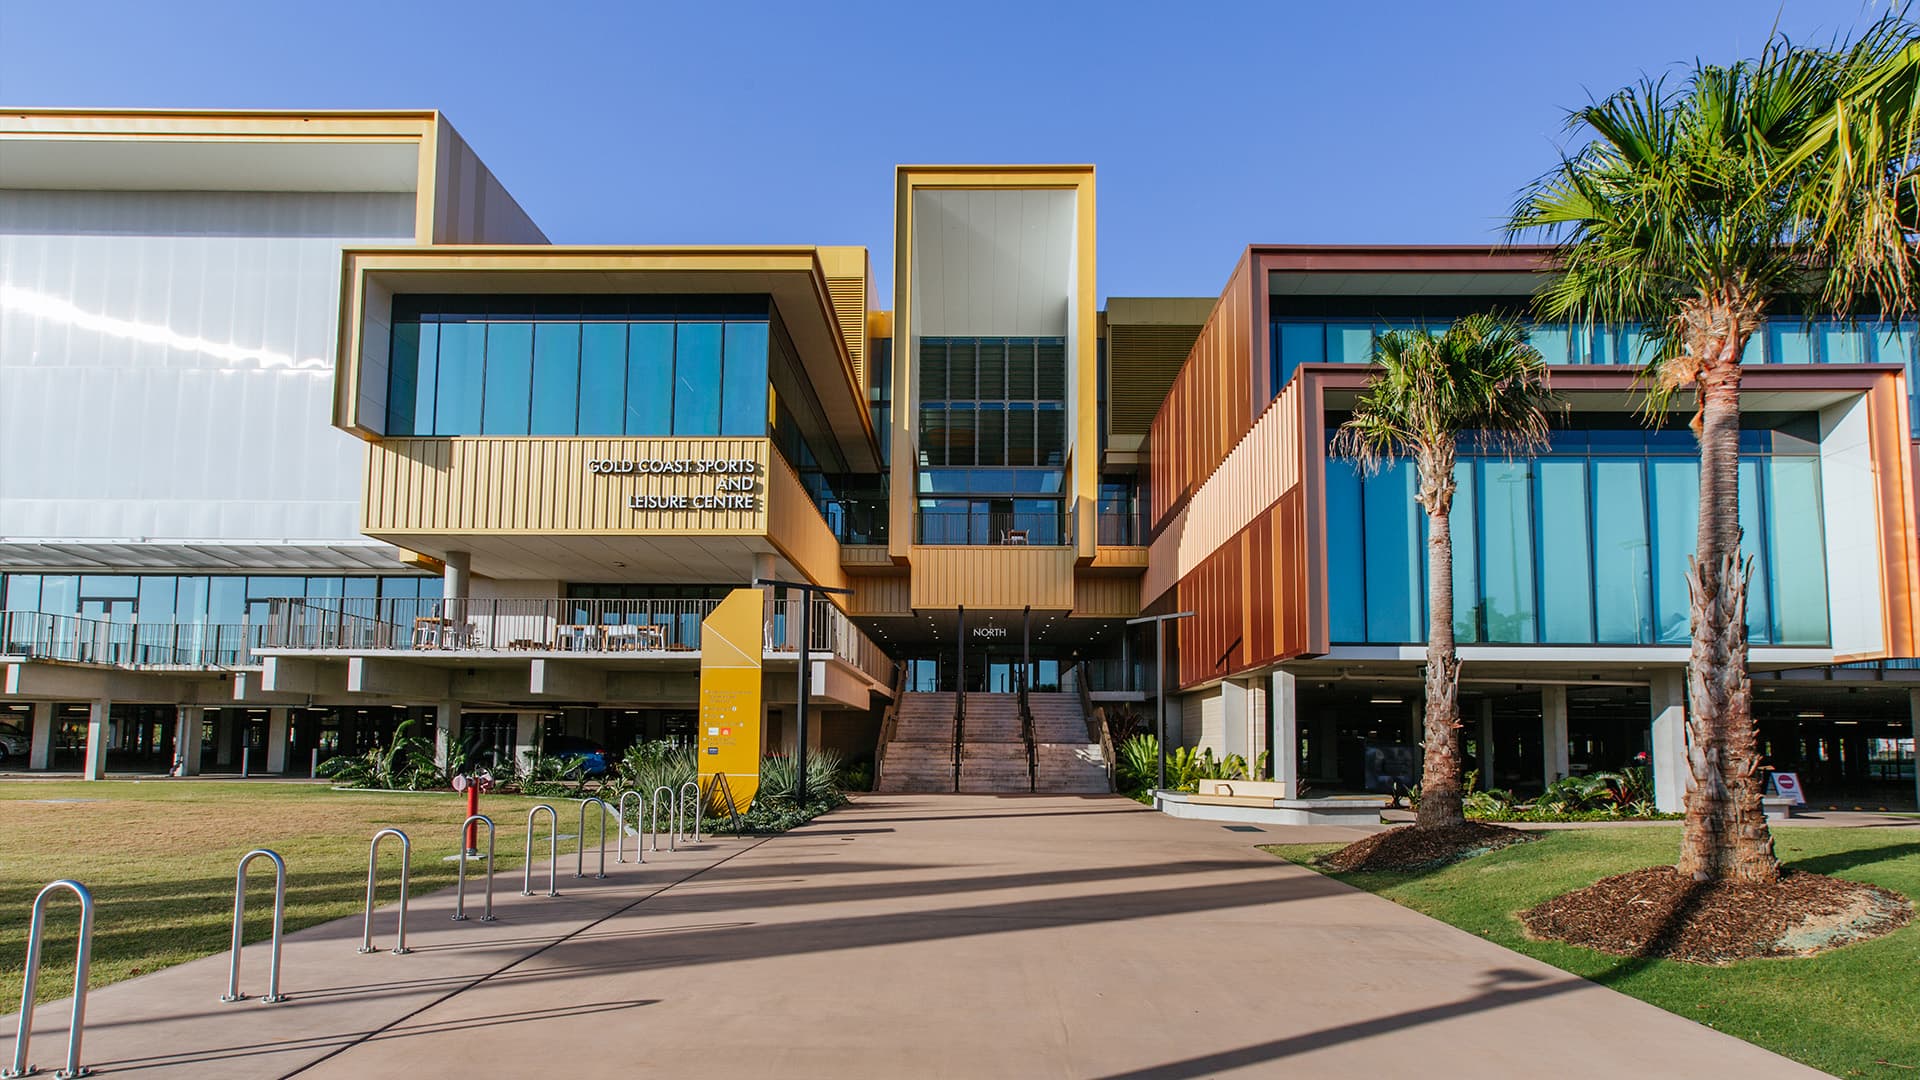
(1687,210)
(1480,382)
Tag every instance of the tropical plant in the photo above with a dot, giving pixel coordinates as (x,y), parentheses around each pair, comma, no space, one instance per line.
(1478,382)
(1696,210)
(406,763)
(1137,764)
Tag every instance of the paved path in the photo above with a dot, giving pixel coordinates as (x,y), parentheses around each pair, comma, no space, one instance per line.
(922,936)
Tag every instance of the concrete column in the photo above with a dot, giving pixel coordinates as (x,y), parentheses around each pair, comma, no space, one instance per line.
(223,736)
(1486,743)
(278,720)
(456,581)
(1667,698)
(526,737)
(1233,719)
(1913,714)
(446,731)
(98,713)
(1286,733)
(40,744)
(188,720)
(1554,754)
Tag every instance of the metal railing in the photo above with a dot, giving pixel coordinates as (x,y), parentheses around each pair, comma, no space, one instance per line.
(83,954)
(38,635)
(553,853)
(1119,528)
(373,868)
(1051,528)
(239,918)
(460,876)
(580,849)
(889,723)
(639,827)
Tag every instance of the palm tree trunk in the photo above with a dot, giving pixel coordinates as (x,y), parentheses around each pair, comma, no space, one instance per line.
(1725,834)
(1440,789)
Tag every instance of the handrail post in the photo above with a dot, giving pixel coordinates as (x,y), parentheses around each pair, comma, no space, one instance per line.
(373,866)
(239,916)
(83,955)
(671,798)
(460,876)
(692,807)
(580,852)
(639,828)
(553,853)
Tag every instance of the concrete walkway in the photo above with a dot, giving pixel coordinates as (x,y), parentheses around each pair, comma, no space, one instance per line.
(916,936)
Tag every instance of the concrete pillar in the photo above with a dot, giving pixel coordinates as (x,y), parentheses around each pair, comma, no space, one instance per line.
(99,711)
(1667,698)
(446,731)
(1554,752)
(1913,717)
(456,582)
(223,736)
(40,742)
(1286,733)
(186,738)
(1233,719)
(1486,743)
(526,738)
(278,719)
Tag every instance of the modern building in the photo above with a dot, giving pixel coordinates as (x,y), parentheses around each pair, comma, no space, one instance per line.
(374,451)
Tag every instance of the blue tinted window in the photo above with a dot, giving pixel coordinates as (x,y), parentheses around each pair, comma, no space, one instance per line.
(1797,552)
(463,353)
(403,374)
(603,378)
(696,379)
(1463,526)
(1395,556)
(1789,343)
(1566,590)
(1350,344)
(1676,516)
(649,378)
(556,379)
(23,593)
(1555,344)
(1622,574)
(1506,550)
(1753,546)
(509,379)
(1841,343)
(1346,581)
(744,400)
(226,599)
(1300,343)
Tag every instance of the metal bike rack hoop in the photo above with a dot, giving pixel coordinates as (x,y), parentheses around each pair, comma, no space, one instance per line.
(690,807)
(239,917)
(373,867)
(639,827)
(76,1026)
(580,860)
(460,876)
(553,853)
(672,812)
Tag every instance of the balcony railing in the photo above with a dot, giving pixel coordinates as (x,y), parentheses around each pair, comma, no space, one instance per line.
(75,639)
(598,627)
(1119,528)
(1107,676)
(967,527)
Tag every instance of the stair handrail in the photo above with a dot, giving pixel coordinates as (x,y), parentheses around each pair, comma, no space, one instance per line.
(1026,728)
(959,724)
(889,723)
(1096,718)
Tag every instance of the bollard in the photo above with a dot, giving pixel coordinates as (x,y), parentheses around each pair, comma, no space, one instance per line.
(580,859)
(671,812)
(83,954)
(239,916)
(373,865)
(553,853)
(689,807)
(246,762)
(639,828)
(460,886)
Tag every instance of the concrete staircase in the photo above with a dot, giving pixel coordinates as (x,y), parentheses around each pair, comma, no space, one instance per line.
(993,758)
(919,758)
(1066,754)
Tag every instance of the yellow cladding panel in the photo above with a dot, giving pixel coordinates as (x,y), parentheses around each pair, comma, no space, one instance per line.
(993,577)
(847,273)
(797,529)
(566,485)
(1111,596)
(731,644)
(872,595)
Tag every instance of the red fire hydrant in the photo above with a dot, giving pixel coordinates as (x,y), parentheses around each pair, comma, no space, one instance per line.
(473,786)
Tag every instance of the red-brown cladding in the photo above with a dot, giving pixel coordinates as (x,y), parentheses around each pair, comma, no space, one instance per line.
(1210,405)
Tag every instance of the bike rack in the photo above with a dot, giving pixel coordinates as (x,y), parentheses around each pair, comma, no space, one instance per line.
(580,859)
(83,954)
(718,784)
(373,867)
(460,877)
(639,828)
(553,853)
(690,807)
(673,814)
(239,916)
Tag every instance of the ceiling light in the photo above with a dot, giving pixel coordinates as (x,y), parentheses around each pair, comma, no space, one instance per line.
(1811,715)
(1386,701)
(1846,721)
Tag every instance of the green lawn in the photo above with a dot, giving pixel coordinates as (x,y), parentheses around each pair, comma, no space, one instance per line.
(159,858)
(1854,1011)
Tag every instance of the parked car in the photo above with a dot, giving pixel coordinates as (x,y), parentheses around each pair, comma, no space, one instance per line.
(13,744)
(589,757)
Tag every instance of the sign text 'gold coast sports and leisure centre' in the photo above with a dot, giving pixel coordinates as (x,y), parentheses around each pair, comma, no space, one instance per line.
(733,489)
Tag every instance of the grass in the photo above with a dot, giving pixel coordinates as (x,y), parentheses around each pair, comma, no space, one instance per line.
(159,858)
(1850,1012)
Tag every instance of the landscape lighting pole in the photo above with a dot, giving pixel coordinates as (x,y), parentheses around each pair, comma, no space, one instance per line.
(807,591)
(1160,682)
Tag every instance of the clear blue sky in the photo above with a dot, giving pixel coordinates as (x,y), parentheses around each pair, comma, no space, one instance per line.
(1213,124)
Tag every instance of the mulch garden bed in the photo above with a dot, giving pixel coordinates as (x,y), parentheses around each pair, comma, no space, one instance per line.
(1659,912)
(1410,848)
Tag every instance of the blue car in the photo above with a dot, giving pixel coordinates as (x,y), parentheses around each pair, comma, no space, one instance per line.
(584,757)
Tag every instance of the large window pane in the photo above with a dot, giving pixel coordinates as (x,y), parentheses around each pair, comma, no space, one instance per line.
(190,599)
(1350,344)
(744,399)
(1506,545)
(1622,576)
(156,599)
(1300,343)
(1554,343)
(509,379)
(463,352)
(1346,581)
(1789,342)
(1566,595)
(227,599)
(1395,588)
(23,592)
(603,379)
(1676,518)
(649,375)
(1753,546)
(556,379)
(1841,343)
(696,379)
(1798,551)
(60,594)
(403,375)
(1463,525)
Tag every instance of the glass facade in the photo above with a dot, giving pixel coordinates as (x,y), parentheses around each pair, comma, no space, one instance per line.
(993,441)
(579,365)
(1584,544)
(192,598)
